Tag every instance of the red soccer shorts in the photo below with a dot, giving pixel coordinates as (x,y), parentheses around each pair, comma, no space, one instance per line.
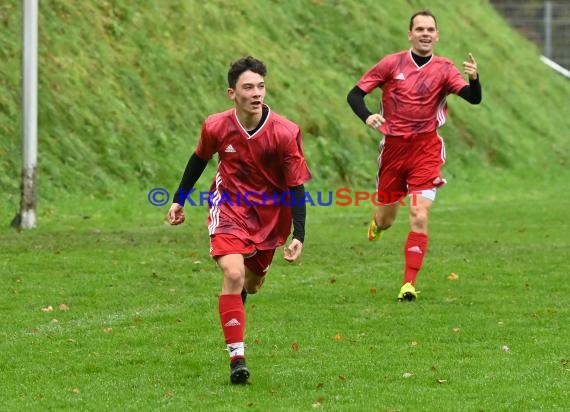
(409,165)
(258,261)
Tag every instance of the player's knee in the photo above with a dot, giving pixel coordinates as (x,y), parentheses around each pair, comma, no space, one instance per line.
(234,275)
(419,218)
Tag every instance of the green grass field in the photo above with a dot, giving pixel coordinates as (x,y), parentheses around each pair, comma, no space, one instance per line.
(106,307)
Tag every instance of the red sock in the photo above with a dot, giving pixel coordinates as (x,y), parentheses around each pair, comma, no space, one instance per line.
(414,252)
(232,315)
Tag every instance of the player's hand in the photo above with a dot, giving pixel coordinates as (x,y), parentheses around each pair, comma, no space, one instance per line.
(375,121)
(175,214)
(293,251)
(470,67)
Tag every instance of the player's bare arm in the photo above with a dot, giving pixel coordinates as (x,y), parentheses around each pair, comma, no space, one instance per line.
(470,67)
(375,120)
(293,251)
(472,92)
(175,214)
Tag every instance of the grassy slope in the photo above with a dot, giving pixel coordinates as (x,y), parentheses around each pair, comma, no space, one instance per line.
(124,89)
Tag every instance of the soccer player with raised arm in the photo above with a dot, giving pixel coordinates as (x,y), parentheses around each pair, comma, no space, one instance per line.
(414,84)
(257,195)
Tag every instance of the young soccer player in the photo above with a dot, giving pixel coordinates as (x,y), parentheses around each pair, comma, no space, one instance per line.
(260,160)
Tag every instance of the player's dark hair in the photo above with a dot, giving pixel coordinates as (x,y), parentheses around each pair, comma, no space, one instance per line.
(242,65)
(426,13)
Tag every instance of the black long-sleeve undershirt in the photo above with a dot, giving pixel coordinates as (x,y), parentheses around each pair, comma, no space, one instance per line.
(472,93)
(355,100)
(299,211)
(194,169)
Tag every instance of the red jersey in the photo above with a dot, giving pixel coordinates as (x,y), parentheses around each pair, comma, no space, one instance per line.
(413,97)
(253,173)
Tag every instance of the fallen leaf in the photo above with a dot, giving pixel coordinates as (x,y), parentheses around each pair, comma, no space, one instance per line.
(332,280)
(197,262)
(320,385)
(295,347)
(373,291)
(54,321)
(107,330)
(564,362)
(342,377)
(433,368)
(456,330)
(63,307)
(407,375)
(319,402)
(453,276)
(505,348)
(169,394)
(76,391)
(338,336)
(48,309)
(413,344)
(441,381)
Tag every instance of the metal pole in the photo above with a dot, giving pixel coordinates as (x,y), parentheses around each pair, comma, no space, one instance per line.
(548,29)
(27,216)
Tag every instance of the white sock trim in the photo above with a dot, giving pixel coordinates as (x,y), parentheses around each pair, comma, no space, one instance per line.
(236,349)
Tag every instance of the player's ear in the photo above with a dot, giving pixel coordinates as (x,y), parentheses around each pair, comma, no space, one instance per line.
(231,93)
